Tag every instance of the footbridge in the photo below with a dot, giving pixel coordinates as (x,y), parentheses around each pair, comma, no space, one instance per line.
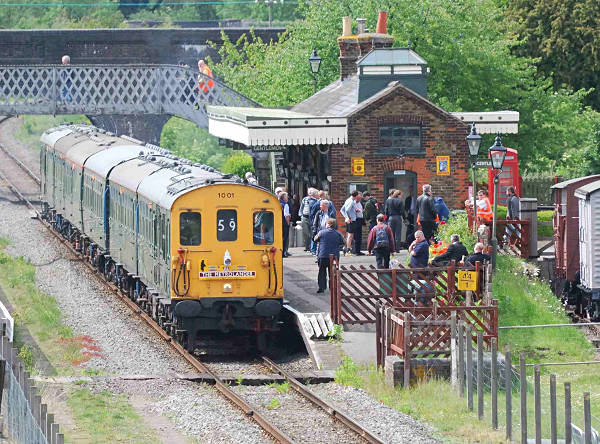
(127,99)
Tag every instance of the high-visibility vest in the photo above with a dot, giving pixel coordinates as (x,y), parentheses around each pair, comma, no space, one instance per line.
(485,213)
(202,85)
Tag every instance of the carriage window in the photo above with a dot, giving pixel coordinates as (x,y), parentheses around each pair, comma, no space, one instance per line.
(189,228)
(226,225)
(263,228)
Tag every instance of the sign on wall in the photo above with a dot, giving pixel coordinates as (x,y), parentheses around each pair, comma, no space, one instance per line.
(443,165)
(358,166)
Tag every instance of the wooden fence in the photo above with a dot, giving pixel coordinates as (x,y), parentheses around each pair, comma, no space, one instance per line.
(356,291)
(513,235)
(411,332)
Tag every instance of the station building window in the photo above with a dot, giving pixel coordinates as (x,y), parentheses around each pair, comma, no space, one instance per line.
(396,139)
(263,228)
(190,225)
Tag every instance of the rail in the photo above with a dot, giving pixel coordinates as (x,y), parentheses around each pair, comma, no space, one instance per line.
(225,390)
(114,89)
(330,409)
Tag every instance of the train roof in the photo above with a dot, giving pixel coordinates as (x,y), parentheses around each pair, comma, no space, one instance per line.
(566,183)
(151,171)
(585,191)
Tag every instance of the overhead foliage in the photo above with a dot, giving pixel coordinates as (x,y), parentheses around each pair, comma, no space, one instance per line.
(468,49)
(564,38)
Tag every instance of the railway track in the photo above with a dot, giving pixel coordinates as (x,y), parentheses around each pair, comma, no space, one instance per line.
(10,166)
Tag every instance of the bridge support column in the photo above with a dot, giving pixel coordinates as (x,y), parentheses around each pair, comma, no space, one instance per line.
(145,127)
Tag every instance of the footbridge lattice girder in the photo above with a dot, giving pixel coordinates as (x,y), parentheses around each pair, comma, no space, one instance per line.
(114,89)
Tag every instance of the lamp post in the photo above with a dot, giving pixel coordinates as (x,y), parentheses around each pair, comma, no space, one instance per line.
(270,4)
(497,153)
(315,63)
(474,142)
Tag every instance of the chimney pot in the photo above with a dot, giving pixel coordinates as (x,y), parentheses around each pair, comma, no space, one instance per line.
(361,22)
(346,26)
(382,23)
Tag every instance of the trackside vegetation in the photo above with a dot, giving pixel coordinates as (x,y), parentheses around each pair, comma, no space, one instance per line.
(522,300)
(40,334)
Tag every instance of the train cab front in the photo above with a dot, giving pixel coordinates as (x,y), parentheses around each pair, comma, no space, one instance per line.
(226,271)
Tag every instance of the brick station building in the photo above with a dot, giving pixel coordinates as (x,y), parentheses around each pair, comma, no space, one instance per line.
(372,129)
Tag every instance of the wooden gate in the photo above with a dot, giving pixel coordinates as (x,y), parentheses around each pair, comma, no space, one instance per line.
(426,331)
(356,291)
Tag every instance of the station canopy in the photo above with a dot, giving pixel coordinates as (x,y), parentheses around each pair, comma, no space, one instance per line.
(274,127)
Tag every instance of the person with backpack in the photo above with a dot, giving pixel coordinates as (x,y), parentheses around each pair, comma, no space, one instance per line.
(370,210)
(381,242)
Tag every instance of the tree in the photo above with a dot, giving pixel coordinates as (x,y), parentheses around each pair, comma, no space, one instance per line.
(564,38)
(466,45)
(239,164)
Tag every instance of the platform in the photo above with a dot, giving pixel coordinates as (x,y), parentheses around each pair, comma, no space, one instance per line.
(300,285)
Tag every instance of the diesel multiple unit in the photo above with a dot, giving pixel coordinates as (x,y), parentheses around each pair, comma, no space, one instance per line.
(197,249)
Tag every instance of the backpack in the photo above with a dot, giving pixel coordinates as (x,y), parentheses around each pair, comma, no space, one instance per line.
(381,238)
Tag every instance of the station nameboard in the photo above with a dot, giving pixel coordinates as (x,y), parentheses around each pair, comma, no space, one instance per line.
(266,148)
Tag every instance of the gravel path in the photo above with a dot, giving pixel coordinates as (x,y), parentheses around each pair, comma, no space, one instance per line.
(391,425)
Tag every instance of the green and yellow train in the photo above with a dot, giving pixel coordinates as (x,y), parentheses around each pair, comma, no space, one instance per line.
(197,249)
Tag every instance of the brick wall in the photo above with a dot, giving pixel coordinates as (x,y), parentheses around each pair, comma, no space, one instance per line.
(442,135)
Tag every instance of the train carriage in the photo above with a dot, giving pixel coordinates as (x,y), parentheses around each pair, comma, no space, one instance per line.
(199,250)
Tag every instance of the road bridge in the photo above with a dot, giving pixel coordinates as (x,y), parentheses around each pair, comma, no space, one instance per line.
(136,100)
(116,46)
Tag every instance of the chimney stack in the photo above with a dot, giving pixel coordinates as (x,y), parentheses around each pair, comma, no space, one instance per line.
(361,25)
(382,23)
(349,50)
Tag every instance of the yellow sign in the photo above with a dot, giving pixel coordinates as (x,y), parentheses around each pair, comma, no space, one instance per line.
(467,280)
(358,166)
(443,165)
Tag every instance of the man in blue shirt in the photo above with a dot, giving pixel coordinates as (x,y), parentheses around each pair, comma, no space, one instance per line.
(419,251)
(330,240)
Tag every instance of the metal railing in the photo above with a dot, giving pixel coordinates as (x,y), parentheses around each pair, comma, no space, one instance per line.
(26,419)
(114,89)
(482,378)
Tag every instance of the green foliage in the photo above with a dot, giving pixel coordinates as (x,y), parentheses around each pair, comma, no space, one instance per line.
(33,126)
(282,388)
(108,418)
(26,354)
(239,380)
(239,163)
(545,230)
(348,373)
(335,335)
(457,224)
(274,404)
(186,140)
(60,17)
(562,35)
(525,302)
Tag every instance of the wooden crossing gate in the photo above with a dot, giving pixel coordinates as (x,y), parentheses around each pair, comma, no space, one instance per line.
(356,291)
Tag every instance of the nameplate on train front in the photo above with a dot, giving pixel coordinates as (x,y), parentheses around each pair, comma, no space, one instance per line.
(227,274)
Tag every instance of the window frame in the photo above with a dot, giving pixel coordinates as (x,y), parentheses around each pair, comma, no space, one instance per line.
(220,233)
(397,149)
(180,227)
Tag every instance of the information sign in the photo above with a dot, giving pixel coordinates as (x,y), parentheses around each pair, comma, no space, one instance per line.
(467,280)
(358,166)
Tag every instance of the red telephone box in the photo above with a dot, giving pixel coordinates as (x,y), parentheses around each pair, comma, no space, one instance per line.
(508,177)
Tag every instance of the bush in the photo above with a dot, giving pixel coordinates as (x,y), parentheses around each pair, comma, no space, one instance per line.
(457,224)
(545,230)
(239,164)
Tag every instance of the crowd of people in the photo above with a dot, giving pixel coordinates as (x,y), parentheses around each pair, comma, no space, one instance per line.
(391,227)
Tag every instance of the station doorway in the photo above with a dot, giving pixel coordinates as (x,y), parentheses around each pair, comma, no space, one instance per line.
(403,180)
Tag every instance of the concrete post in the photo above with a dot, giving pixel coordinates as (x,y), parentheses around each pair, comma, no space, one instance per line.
(528,211)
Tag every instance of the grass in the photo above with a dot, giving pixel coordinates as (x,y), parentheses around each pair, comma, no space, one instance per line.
(33,126)
(100,417)
(108,418)
(41,315)
(521,301)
